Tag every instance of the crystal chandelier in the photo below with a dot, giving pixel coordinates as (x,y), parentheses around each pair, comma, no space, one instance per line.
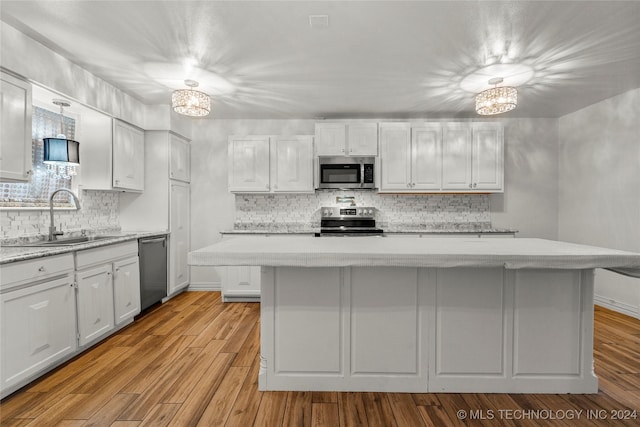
(496,100)
(191,102)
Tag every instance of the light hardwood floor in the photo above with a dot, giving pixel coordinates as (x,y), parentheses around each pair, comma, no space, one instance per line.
(194,362)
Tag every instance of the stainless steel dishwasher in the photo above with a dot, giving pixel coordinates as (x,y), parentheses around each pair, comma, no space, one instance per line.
(153,270)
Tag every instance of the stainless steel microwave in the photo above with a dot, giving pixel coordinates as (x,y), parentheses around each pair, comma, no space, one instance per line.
(346,172)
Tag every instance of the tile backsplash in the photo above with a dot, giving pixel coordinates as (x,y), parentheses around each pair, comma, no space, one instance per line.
(99,211)
(437,211)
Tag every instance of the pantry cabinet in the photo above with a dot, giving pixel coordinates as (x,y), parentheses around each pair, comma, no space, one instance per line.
(179,239)
(113,158)
(277,164)
(165,203)
(38,313)
(346,139)
(15,142)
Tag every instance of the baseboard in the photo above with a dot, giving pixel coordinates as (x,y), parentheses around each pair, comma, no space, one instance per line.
(205,286)
(618,306)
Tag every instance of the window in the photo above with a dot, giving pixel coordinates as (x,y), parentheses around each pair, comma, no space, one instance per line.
(45,178)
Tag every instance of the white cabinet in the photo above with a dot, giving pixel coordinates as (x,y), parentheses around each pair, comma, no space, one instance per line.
(179,158)
(346,139)
(108,281)
(128,156)
(262,164)
(179,239)
(456,156)
(472,158)
(165,203)
(126,289)
(292,163)
(411,159)
(240,283)
(15,134)
(487,168)
(248,158)
(111,155)
(441,157)
(395,157)
(38,318)
(95,303)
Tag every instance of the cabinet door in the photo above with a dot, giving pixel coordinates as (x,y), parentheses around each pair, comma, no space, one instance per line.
(395,157)
(292,166)
(426,157)
(362,139)
(330,139)
(456,157)
(38,328)
(128,156)
(126,289)
(95,303)
(240,282)
(15,145)
(488,158)
(180,159)
(179,237)
(249,164)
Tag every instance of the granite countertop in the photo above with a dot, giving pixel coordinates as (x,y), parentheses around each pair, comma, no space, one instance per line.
(308,251)
(11,252)
(389,230)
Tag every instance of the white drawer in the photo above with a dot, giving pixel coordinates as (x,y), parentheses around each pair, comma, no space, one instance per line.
(90,257)
(18,273)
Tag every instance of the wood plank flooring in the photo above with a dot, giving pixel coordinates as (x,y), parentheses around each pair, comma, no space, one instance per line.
(194,361)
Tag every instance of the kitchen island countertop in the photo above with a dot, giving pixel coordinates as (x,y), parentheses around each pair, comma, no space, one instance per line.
(307,251)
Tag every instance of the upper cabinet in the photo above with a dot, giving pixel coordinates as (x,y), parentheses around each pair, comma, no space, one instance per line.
(472,157)
(111,155)
(346,139)
(15,143)
(179,158)
(441,157)
(128,157)
(249,164)
(263,164)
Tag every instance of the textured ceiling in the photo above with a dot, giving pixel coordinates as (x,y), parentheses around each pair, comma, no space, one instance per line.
(375,59)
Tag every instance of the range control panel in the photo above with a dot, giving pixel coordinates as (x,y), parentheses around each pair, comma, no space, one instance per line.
(350,212)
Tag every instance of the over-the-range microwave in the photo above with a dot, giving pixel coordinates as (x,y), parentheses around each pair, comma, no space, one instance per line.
(340,172)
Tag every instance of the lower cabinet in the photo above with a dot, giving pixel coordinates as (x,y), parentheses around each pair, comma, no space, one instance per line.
(95,303)
(108,280)
(38,319)
(240,284)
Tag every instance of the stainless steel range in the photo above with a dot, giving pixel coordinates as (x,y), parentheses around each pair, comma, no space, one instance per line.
(349,221)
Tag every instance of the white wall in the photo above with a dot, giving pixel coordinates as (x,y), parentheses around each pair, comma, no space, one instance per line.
(599,191)
(528,205)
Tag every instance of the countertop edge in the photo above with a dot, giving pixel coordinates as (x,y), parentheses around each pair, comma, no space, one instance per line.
(11,254)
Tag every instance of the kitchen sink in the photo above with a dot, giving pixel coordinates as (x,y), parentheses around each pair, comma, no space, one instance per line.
(69,241)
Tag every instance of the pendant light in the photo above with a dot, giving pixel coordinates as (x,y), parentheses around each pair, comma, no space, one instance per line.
(60,150)
(497,100)
(191,102)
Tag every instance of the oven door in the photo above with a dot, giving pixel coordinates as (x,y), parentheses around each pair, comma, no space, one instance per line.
(340,175)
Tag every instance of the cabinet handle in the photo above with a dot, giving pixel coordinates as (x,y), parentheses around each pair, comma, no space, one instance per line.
(470,185)
(117,182)
(108,273)
(29,172)
(41,269)
(409,185)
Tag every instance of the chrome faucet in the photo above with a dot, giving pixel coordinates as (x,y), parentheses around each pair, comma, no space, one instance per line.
(52,228)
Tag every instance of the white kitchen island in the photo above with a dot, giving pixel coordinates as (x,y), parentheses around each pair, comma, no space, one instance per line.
(423,315)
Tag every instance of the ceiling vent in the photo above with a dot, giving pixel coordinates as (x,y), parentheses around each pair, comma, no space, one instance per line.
(319,21)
